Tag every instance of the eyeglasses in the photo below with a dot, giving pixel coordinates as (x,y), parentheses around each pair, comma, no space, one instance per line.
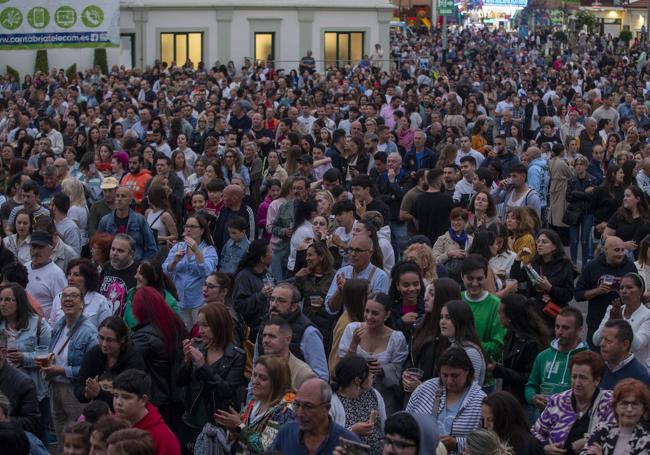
(308,407)
(397,444)
(632,405)
(357,250)
(213,286)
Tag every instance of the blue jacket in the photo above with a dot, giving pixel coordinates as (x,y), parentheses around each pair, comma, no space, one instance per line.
(428,160)
(188,276)
(84,338)
(26,342)
(137,227)
(506,161)
(539,179)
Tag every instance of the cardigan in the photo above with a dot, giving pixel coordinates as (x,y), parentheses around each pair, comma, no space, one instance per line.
(606,435)
(466,420)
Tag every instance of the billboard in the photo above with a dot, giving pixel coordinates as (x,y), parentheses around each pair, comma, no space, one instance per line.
(33,24)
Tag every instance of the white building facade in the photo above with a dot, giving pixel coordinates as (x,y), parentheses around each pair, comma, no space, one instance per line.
(338,31)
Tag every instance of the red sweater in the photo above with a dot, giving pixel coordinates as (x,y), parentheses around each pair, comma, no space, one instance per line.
(164,441)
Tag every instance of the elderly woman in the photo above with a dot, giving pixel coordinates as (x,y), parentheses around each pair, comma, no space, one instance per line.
(569,415)
(628,435)
(453,398)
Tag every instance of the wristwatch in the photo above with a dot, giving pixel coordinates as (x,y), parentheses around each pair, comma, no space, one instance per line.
(240,427)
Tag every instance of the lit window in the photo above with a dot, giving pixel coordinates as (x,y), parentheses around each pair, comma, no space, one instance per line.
(343,48)
(264,46)
(179,47)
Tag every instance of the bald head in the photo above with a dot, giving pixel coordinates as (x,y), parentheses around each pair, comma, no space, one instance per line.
(233,196)
(614,250)
(316,389)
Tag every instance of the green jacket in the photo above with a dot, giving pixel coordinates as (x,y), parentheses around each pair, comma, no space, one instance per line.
(129,317)
(551,369)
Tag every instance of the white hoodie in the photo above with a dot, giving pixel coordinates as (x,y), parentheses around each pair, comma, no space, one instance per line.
(387,251)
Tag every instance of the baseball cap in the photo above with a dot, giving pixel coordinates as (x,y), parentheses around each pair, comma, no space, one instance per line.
(41,238)
(109,183)
(306,159)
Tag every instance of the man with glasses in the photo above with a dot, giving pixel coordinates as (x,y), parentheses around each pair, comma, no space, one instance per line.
(306,340)
(46,279)
(313,431)
(124,220)
(360,252)
(407,434)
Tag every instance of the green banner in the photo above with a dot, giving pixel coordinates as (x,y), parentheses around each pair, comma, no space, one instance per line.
(32,24)
(445,7)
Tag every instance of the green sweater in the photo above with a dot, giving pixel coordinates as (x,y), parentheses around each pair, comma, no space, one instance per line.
(129,317)
(488,326)
(551,368)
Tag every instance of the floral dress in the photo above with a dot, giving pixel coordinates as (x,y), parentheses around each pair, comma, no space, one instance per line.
(359,410)
(261,429)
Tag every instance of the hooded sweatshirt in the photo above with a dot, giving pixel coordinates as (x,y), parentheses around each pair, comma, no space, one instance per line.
(539,178)
(164,441)
(551,368)
(387,251)
(428,427)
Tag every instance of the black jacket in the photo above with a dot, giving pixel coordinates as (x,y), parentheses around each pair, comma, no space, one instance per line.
(528,117)
(94,365)
(560,273)
(160,365)
(519,353)
(212,387)
(577,197)
(20,390)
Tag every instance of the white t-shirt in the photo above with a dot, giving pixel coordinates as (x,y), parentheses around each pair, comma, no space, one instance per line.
(45,283)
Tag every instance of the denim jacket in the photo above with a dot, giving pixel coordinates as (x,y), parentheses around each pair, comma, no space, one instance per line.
(84,338)
(26,342)
(137,227)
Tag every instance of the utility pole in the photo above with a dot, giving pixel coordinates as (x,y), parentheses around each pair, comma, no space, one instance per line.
(444,33)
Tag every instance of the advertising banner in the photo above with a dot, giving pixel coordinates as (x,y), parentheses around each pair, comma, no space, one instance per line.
(33,24)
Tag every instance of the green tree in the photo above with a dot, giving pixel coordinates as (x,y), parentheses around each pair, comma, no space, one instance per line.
(41,64)
(585,18)
(11,71)
(626,36)
(71,73)
(101,60)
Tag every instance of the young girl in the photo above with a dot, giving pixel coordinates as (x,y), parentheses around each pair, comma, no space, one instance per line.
(76,439)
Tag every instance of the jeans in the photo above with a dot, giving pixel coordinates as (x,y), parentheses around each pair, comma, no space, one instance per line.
(64,406)
(581,234)
(276,266)
(398,237)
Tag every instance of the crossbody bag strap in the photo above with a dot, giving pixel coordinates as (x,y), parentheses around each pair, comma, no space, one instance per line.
(70,335)
(38,331)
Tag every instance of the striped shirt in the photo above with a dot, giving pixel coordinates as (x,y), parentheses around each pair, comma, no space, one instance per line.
(468,417)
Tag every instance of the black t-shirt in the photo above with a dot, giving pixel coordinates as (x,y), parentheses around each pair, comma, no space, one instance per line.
(625,230)
(431,210)
(115,284)
(122,224)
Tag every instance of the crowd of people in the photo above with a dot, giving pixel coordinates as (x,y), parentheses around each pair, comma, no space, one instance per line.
(385,257)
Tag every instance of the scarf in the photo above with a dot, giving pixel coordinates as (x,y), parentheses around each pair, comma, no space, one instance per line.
(459,239)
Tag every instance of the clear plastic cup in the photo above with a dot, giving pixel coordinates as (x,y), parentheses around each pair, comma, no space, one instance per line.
(316,302)
(414,373)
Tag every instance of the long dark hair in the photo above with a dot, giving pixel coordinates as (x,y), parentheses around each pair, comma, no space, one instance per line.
(402,268)
(117,325)
(304,211)
(23,309)
(510,421)
(158,280)
(559,254)
(445,289)
(524,320)
(644,212)
(354,296)
(462,317)
(481,244)
(256,250)
(348,369)
(609,182)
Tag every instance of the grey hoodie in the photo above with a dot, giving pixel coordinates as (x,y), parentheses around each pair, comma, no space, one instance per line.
(429,437)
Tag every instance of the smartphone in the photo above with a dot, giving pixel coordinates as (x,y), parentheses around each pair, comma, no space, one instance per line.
(355,448)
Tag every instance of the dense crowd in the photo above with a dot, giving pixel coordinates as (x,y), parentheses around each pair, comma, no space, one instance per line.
(384,257)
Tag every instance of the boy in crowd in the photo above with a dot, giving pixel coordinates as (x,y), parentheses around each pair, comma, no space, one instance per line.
(235,247)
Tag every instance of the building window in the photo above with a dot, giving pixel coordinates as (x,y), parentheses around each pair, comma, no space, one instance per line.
(264,46)
(179,47)
(343,48)
(127,50)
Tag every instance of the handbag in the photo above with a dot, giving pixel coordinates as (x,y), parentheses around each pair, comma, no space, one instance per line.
(572,216)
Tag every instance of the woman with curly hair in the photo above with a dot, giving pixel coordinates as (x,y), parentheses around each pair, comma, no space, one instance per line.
(422,255)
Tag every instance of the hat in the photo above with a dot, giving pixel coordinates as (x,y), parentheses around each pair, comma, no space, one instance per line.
(109,183)
(306,159)
(41,238)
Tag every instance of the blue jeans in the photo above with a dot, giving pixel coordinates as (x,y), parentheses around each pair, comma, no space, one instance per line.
(276,266)
(581,234)
(398,238)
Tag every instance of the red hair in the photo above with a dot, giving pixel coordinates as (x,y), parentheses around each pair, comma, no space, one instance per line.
(150,307)
(631,386)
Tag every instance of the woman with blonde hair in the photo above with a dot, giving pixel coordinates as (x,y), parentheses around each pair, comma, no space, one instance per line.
(325,202)
(486,442)
(78,211)
(521,228)
(422,255)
